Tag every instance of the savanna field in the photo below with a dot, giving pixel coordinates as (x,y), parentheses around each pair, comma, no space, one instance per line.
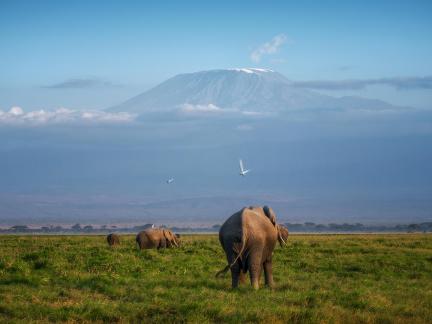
(379,278)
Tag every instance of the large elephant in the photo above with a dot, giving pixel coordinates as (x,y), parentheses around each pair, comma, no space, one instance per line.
(157,238)
(248,238)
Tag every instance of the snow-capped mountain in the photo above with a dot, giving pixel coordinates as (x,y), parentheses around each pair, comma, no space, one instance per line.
(241,89)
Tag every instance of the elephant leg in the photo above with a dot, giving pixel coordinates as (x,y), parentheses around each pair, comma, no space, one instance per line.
(162,244)
(235,275)
(255,266)
(242,277)
(268,273)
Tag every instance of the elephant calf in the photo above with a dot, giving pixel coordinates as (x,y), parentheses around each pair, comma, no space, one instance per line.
(113,239)
(248,238)
(157,238)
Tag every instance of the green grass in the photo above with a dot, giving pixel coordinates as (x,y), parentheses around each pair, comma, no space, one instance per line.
(318,278)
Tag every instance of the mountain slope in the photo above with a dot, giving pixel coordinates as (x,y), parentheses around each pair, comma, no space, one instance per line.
(247,89)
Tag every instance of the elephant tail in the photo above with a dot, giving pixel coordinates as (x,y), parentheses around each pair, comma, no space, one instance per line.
(223,271)
(239,255)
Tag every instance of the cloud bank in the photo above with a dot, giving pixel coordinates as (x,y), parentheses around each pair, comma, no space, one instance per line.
(191,109)
(81,84)
(17,116)
(212,110)
(270,47)
(407,83)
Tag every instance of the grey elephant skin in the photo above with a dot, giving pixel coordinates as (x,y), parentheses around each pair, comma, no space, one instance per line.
(113,239)
(248,238)
(157,238)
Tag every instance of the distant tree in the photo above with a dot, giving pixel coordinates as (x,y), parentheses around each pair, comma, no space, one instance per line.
(413,227)
(142,227)
(425,226)
(321,227)
(88,228)
(293,227)
(216,226)
(76,227)
(19,228)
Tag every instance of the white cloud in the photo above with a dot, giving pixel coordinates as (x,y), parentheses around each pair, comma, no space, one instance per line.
(270,47)
(81,83)
(16,111)
(212,110)
(399,83)
(209,108)
(17,116)
(257,113)
(252,113)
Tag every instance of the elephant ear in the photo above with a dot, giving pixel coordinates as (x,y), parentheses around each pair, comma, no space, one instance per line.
(166,234)
(270,214)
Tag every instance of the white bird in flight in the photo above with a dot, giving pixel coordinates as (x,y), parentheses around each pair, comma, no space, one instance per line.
(242,169)
(170,180)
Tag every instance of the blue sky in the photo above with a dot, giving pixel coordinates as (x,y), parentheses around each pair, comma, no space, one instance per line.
(72,164)
(127,47)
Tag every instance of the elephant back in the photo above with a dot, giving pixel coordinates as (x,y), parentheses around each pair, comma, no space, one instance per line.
(257,224)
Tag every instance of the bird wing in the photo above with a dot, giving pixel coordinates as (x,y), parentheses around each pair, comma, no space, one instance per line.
(241,165)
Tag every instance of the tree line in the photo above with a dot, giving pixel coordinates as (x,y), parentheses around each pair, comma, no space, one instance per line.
(307,227)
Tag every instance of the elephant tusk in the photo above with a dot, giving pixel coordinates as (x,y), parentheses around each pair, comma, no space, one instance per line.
(280,236)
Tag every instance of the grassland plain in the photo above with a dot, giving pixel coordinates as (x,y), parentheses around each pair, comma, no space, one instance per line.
(319,278)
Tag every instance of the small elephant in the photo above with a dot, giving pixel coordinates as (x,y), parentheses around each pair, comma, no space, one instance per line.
(113,239)
(248,238)
(157,238)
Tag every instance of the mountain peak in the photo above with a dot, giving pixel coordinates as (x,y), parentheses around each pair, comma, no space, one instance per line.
(237,89)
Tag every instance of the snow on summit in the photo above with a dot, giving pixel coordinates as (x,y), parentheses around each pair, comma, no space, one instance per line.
(250,70)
